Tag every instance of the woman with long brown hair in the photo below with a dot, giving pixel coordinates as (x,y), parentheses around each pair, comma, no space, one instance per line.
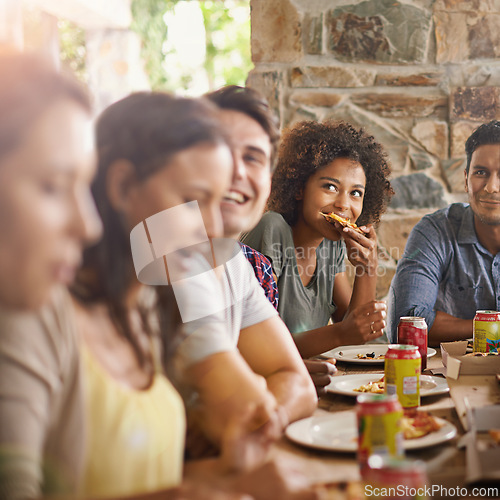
(164,165)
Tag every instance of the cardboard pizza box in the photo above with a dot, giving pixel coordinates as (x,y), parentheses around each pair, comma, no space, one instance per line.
(482,451)
(458,363)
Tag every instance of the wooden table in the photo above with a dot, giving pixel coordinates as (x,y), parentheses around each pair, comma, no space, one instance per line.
(445,462)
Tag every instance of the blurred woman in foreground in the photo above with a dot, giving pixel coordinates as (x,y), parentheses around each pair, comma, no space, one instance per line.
(47,214)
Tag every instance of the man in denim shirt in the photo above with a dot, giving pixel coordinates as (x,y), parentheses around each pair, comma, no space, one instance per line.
(451,264)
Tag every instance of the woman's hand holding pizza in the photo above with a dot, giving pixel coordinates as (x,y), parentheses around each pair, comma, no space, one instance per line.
(362,249)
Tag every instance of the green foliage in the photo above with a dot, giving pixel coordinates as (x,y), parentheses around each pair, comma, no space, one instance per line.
(228,42)
(227,27)
(72,49)
(149,25)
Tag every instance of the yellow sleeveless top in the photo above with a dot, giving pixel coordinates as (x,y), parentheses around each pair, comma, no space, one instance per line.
(135,441)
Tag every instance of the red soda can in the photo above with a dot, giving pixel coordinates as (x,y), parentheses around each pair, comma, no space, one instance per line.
(412,330)
(398,479)
(379,426)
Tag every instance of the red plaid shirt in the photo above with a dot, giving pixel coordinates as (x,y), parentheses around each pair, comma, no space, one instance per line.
(263,272)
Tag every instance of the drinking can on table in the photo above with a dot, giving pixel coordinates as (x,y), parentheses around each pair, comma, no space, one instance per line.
(412,330)
(392,478)
(402,374)
(486,330)
(379,426)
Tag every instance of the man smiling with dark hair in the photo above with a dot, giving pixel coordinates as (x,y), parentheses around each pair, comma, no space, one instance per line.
(451,264)
(245,354)
(255,135)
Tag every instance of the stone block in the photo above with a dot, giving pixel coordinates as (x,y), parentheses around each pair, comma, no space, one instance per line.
(484,37)
(331,76)
(461,36)
(483,6)
(316,98)
(276,31)
(401,105)
(389,134)
(453,173)
(270,85)
(417,191)
(430,79)
(383,31)
(451,37)
(313,34)
(481,75)
(425,4)
(420,160)
(475,103)
(460,132)
(433,136)
(298,113)
(393,232)
(473,75)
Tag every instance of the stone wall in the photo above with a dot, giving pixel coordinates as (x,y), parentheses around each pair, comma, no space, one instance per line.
(419,75)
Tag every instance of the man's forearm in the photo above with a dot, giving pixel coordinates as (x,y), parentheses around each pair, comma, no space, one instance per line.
(447,328)
(294,392)
(226,386)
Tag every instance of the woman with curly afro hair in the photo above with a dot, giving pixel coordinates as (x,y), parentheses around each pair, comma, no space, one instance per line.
(324,168)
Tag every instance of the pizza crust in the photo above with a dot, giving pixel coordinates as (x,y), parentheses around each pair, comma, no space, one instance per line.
(344,222)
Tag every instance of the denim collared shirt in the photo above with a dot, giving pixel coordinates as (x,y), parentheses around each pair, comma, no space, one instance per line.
(444,268)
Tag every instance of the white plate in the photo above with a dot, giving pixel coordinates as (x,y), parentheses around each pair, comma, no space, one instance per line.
(345,384)
(347,353)
(338,432)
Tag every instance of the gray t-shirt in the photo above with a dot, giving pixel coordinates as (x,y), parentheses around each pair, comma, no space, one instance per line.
(301,307)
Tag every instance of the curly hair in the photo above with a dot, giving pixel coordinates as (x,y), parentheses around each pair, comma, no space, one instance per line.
(309,146)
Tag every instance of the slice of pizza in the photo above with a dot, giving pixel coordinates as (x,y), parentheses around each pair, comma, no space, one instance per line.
(495,435)
(416,424)
(332,216)
(376,387)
